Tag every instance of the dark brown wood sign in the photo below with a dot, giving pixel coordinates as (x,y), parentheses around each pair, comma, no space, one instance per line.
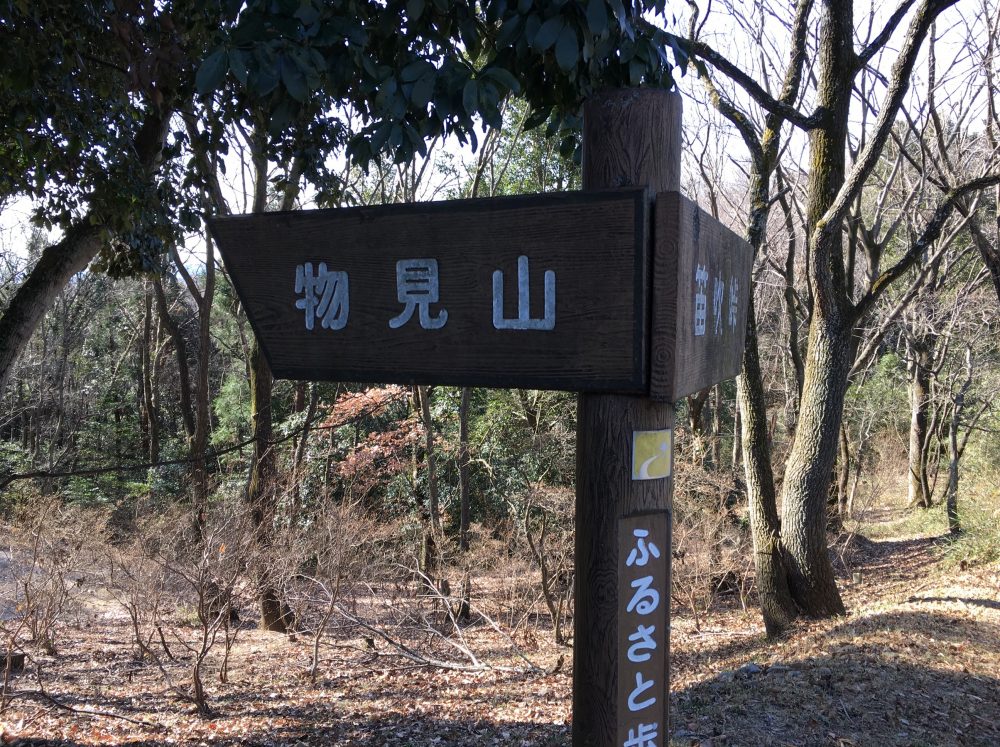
(554,291)
(545,291)
(701,286)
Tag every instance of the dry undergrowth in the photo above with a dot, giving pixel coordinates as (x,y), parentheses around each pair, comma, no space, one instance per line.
(915,662)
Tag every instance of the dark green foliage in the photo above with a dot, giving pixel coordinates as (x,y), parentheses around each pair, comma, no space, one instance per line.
(81,87)
(79,81)
(413,69)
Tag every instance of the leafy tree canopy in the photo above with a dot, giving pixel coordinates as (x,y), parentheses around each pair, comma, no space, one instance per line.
(87,86)
(416,69)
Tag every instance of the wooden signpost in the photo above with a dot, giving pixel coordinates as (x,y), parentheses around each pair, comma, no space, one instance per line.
(554,291)
(627,293)
(539,292)
(702,277)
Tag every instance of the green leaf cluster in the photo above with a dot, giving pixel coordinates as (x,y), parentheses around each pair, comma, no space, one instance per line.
(417,69)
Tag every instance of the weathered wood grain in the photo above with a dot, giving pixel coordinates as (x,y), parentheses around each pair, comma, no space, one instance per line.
(686,238)
(596,243)
(631,137)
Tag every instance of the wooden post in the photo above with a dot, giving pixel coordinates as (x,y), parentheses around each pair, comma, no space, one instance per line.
(630,138)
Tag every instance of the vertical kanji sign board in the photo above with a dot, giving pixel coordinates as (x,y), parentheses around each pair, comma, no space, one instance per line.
(702,283)
(643,627)
(604,292)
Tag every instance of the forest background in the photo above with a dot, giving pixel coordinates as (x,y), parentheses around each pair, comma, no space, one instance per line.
(147,455)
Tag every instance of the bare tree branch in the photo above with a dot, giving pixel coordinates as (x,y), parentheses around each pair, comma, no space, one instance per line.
(902,71)
(698,50)
(929,235)
(888,30)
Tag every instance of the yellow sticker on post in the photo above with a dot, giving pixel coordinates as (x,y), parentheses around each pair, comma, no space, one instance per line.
(652,454)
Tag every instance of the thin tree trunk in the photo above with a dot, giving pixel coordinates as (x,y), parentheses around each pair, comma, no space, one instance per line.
(180,349)
(843,476)
(772,581)
(715,453)
(157,361)
(202,413)
(920,385)
(432,487)
(463,469)
(149,427)
(300,452)
(951,500)
(696,410)
(955,448)
(736,457)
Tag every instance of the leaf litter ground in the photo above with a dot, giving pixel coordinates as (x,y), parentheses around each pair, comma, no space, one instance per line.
(915,662)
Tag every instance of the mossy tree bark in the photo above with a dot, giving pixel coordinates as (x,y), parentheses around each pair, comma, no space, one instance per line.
(262,488)
(837,306)
(809,468)
(778,609)
(776,603)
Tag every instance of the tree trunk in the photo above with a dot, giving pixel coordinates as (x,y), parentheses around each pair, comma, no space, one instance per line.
(262,489)
(193,400)
(202,412)
(180,348)
(696,423)
(54,269)
(463,469)
(715,453)
(736,457)
(149,419)
(158,351)
(951,501)
(920,396)
(777,607)
(432,486)
(843,477)
(302,446)
(810,466)
(61,261)
(776,603)
(809,469)
(955,448)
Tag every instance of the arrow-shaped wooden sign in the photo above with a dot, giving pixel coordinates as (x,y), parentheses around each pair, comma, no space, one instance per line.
(554,291)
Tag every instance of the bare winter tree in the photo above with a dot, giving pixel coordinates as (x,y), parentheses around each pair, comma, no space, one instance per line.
(795,574)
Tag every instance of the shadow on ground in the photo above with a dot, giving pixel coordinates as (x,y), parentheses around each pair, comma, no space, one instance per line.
(858,688)
(991,604)
(367,732)
(887,560)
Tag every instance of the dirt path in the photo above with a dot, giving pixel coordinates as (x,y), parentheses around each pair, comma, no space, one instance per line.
(915,662)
